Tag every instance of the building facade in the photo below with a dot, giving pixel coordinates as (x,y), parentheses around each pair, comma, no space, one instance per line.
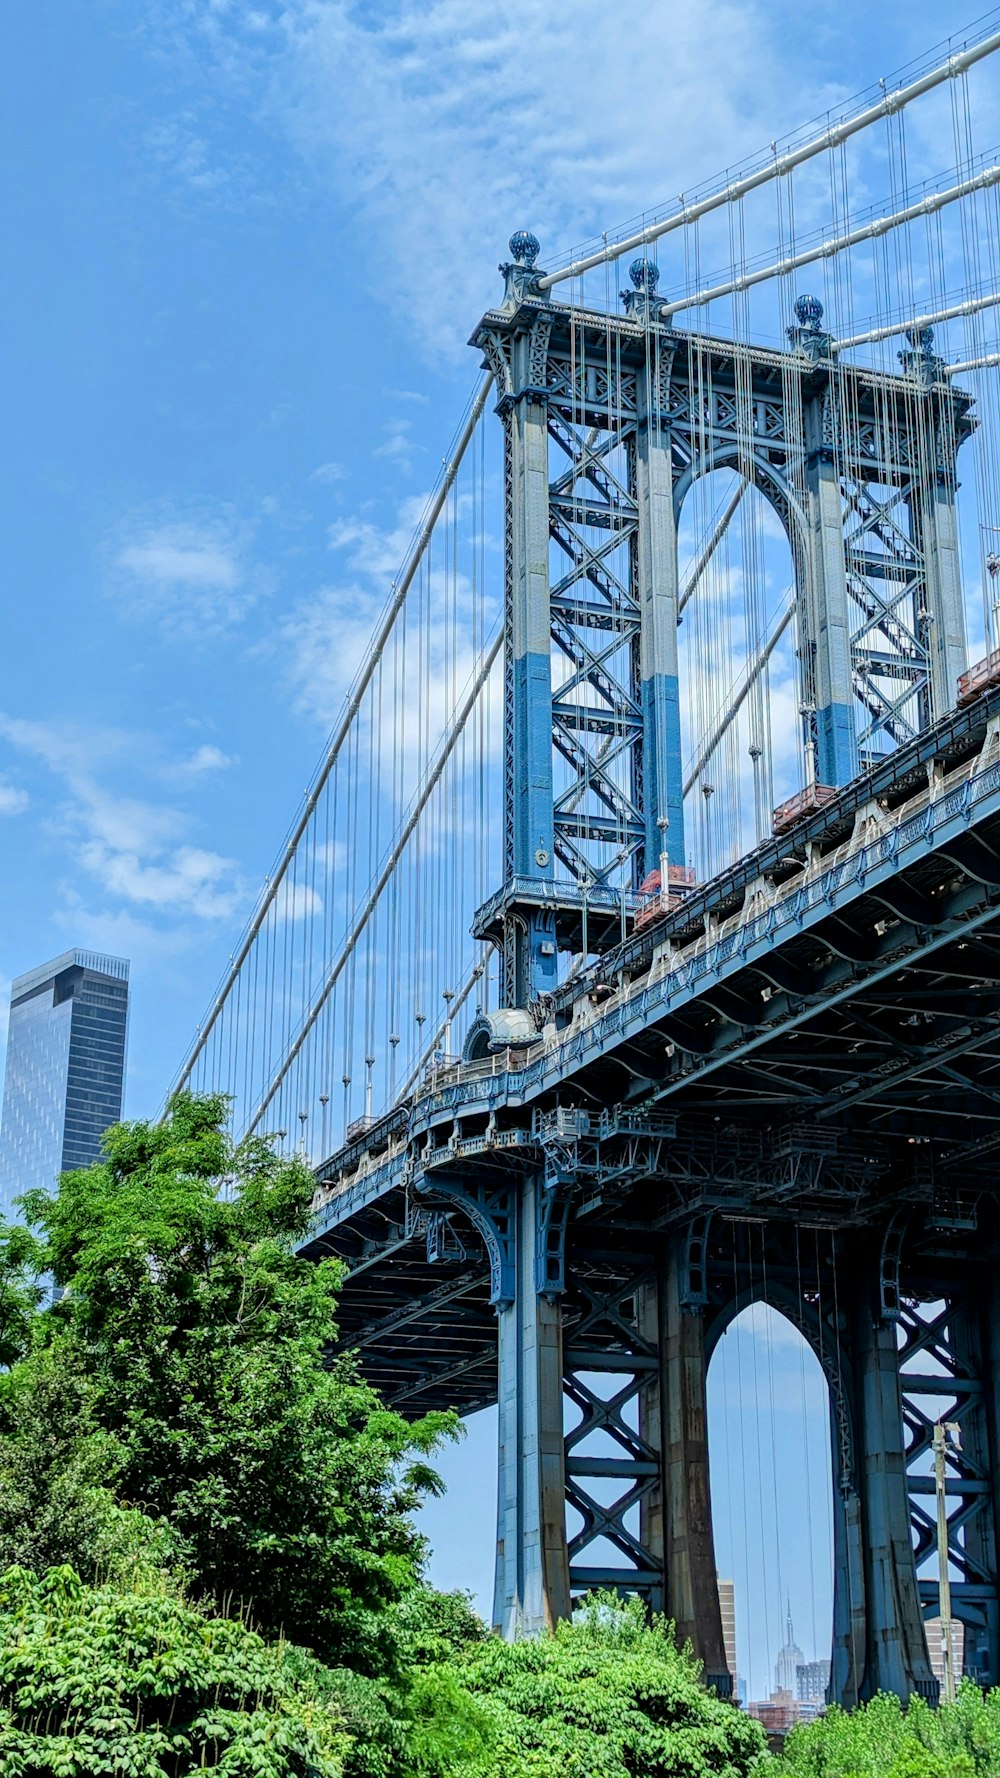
(65,1069)
(790,1659)
(935,1647)
(727,1605)
(812,1680)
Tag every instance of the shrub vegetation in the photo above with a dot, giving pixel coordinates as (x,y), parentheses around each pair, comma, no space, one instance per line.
(208,1556)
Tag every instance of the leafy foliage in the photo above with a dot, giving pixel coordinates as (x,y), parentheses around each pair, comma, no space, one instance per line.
(97,1680)
(192,1345)
(175,1429)
(883,1740)
(21,1292)
(607,1696)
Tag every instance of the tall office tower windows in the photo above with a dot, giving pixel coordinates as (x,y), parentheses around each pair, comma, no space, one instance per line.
(727,1603)
(65,1069)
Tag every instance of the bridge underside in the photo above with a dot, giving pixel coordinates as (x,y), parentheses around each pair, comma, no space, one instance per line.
(812,1119)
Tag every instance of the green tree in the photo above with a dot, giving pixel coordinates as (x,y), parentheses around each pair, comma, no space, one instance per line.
(21,1292)
(193,1347)
(102,1681)
(884,1739)
(607,1696)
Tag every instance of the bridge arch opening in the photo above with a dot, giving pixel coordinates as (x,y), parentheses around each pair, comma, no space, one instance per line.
(743,729)
(770,1463)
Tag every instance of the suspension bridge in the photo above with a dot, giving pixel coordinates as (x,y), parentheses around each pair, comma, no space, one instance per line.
(634,956)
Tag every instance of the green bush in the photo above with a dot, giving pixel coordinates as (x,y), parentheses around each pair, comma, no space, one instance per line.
(607,1696)
(184,1457)
(103,1682)
(185,1378)
(885,1740)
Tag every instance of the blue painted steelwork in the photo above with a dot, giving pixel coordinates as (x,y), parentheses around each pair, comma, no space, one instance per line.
(836,747)
(607,427)
(767,1056)
(661,710)
(608,1116)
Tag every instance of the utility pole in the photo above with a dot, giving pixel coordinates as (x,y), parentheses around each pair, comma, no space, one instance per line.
(945,1433)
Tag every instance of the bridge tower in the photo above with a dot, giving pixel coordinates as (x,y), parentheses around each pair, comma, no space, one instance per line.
(606,427)
(608,421)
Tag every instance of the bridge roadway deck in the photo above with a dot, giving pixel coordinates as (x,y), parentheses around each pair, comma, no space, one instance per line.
(814,1037)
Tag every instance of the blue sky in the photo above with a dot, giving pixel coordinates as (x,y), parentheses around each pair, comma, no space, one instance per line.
(244,247)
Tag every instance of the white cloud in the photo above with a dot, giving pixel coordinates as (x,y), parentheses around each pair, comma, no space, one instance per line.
(63,746)
(328,473)
(187,880)
(761,1322)
(297,901)
(324,640)
(206,758)
(398,446)
(172,559)
(375,550)
(192,576)
(180,149)
(132,849)
(13,801)
(328,635)
(445,124)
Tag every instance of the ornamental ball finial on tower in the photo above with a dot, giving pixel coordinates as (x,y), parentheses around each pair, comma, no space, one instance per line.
(645,274)
(920,338)
(525,247)
(809,312)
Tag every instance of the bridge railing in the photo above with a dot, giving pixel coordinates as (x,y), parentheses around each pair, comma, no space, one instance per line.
(877,837)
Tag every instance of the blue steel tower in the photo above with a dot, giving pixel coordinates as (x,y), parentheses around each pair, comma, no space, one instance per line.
(608,422)
(783,1089)
(593,780)
(65,1068)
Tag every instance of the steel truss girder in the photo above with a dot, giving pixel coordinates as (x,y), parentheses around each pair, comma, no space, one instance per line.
(635,1465)
(945,1339)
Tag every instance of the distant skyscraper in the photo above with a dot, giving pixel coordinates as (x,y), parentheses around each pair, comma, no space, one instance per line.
(65,1068)
(935,1647)
(812,1680)
(790,1659)
(727,1602)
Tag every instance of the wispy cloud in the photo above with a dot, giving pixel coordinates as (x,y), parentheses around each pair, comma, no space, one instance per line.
(326,636)
(13,800)
(328,473)
(193,576)
(206,758)
(446,123)
(297,901)
(398,445)
(134,851)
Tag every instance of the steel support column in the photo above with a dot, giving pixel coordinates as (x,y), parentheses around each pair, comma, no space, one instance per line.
(991,1416)
(530,954)
(896,1652)
(656,572)
(532,1573)
(946,643)
(847,1665)
(680,1523)
(973,1481)
(829,622)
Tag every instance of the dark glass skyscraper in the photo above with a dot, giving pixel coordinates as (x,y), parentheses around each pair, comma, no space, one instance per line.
(65,1068)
